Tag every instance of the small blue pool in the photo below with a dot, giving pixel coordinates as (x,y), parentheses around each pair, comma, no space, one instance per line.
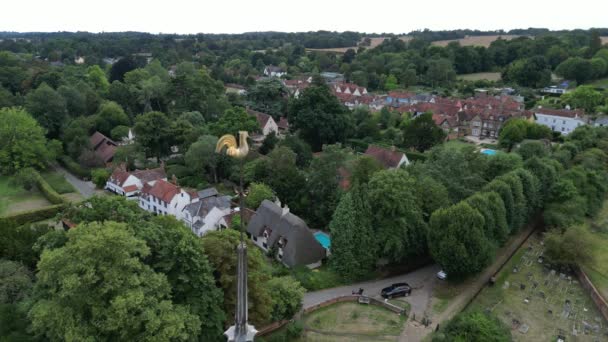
(488,151)
(323,239)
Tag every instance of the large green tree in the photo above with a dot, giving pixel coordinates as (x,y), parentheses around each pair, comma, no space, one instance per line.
(474,326)
(109,116)
(97,287)
(457,240)
(400,230)
(352,246)
(153,134)
(319,117)
(233,121)
(48,107)
(201,156)
(268,96)
(23,142)
(585,97)
(422,133)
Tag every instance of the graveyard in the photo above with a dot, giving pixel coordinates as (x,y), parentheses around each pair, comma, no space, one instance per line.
(541,302)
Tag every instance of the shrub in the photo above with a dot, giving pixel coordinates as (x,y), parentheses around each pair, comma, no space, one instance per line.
(25,178)
(474,326)
(100,177)
(258,192)
(75,168)
(30,216)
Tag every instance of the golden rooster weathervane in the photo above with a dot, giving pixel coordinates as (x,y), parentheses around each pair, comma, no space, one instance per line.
(232,150)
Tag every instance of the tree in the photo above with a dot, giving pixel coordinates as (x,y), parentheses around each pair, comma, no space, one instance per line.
(16,282)
(491,206)
(400,230)
(319,117)
(457,240)
(121,67)
(474,326)
(75,100)
(531,72)
(585,97)
(595,43)
(363,169)
(48,108)
(287,295)
(440,72)
(571,247)
(422,133)
(201,156)
(152,133)
(431,195)
(530,149)
(391,82)
(502,163)
(23,141)
(194,90)
(258,192)
(100,177)
(353,253)
(106,208)
(268,96)
(179,254)
(109,116)
(97,78)
(301,149)
(119,132)
(269,143)
(575,68)
(233,121)
(72,303)
(220,249)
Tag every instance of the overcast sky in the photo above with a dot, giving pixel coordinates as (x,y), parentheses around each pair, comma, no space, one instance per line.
(236,16)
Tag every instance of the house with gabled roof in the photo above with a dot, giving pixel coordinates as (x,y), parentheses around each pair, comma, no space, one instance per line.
(266,125)
(388,158)
(563,121)
(103,147)
(129,184)
(274,71)
(164,198)
(207,212)
(275,228)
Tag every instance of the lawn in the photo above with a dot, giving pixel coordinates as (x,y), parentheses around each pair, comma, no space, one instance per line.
(317,279)
(601,83)
(533,295)
(478,76)
(351,318)
(58,182)
(14,198)
(456,143)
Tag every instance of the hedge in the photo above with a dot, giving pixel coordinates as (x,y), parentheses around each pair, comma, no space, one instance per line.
(29,216)
(48,192)
(415,156)
(75,168)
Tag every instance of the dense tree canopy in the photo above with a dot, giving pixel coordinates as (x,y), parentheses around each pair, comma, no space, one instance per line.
(23,142)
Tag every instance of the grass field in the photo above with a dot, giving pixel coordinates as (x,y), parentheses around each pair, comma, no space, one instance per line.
(58,182)
(604,40)
(601,83)
(14,198)
(374,42)
(534,295)
(475,40)
(490,76)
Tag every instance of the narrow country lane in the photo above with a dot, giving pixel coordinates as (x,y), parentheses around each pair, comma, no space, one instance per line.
(86,189)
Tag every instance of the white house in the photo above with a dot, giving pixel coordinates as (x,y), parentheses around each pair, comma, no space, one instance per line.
(207,212)
(129,184)
(266,126)
(164,198)
(350,89)
(274,71)
(560,120)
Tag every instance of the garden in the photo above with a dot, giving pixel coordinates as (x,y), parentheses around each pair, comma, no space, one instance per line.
(14,198)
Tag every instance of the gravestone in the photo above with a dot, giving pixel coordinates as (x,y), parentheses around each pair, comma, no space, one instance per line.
(505,285)
(524,328)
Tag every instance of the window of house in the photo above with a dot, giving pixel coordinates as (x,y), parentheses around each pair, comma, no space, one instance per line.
(553,120)
(564,122)
(255,238)
(563,129)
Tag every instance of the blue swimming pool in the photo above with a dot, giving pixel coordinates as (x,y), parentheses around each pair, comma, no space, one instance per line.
(488,151)
(323,239)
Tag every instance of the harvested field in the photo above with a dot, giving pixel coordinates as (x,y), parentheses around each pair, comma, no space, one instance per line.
(475,40)
(374,42)
(490,76)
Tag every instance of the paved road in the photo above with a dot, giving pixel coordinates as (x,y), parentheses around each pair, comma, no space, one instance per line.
(86,189)
(421,280)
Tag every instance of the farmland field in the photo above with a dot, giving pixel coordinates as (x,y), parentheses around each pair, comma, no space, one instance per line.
(490,76)
(604,40)
(539,302)
(374,42)
(475,40)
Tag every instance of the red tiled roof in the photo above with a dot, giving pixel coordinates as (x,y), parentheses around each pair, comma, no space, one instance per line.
(560,112)
(151,175)
(119,176)
(162,190)
(130,188)
(261,117)
(388,158)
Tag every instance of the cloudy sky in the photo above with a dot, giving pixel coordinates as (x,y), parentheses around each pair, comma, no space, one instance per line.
(224,16)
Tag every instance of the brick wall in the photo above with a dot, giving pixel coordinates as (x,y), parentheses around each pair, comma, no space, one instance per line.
(597,298)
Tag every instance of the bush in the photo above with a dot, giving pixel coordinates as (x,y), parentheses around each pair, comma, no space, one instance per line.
(100,177)
(48,192)
(75,168)
(25,178)
(29,216)
(258,192)
(474,326)
(415,156)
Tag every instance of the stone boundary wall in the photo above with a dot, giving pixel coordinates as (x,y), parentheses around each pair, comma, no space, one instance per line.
(348,298)
(597,298)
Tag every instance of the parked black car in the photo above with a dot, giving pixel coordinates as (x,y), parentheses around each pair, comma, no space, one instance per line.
(396,290)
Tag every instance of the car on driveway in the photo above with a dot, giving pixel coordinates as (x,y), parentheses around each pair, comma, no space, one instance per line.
(442,275)
(396,290)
